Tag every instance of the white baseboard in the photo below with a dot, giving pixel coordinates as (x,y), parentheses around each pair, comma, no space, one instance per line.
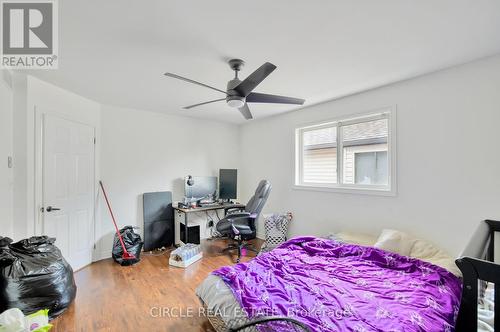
(104,254)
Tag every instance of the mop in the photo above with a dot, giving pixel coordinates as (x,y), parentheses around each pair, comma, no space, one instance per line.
(126,255)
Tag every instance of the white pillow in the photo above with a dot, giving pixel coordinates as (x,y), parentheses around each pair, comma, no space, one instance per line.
(395,241)
(425,251)
(357,238)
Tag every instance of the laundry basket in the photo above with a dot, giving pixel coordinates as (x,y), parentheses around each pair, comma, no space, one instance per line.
(276,230)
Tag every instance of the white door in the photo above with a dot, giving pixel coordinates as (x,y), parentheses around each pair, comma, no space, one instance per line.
(5,161)
(68,187)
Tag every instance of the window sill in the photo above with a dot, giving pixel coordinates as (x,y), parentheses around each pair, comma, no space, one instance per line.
(347,190)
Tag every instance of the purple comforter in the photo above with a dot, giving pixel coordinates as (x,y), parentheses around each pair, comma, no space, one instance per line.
(331,286)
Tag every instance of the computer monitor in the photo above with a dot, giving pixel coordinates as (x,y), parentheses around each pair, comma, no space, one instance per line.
(202,187)
(228,179)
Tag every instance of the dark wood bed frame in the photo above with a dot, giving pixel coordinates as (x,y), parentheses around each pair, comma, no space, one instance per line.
(477,264)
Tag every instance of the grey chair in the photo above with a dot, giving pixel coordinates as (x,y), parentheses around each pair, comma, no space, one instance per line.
(239,224)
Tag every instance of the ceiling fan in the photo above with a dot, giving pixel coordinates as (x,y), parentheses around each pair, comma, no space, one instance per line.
(239,93)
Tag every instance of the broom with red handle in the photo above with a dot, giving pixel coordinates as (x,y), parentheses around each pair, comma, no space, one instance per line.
(126,254)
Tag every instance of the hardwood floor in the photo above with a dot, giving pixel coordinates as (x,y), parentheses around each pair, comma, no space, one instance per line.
(148,296)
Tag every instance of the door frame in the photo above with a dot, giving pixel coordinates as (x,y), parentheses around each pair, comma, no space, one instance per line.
(38,174)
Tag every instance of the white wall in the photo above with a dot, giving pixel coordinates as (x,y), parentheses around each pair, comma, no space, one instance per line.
(145,152)
(447,153)
(6,176)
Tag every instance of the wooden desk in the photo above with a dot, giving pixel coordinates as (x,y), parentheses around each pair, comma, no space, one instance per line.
(186,211)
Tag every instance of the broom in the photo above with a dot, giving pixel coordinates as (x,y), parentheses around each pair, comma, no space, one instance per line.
(126,255)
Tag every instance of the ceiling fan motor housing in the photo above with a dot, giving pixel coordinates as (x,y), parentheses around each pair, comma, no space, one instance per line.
(236,64)
(233,99)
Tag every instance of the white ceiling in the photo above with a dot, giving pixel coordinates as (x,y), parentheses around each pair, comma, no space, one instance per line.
(116,51)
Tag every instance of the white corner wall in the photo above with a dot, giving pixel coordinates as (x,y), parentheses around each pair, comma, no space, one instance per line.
(6,174)
(143,151)
(448,159)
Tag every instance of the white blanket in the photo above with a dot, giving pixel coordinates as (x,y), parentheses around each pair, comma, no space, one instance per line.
(486,310)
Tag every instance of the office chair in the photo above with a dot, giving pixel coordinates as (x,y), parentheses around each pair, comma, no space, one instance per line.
(239,225)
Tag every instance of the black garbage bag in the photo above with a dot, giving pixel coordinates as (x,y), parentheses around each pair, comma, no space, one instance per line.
(35,276)
(133,244)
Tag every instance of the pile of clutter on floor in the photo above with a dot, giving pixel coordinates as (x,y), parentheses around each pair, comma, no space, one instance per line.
(36,284)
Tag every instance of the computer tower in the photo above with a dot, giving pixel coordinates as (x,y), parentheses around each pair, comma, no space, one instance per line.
(193,233)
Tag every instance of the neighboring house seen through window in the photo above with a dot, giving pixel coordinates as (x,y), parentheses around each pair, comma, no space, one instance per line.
(352,154)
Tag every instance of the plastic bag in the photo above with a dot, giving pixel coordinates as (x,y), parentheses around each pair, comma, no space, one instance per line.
(133,244)
(13,320)
(35,275)
(39,321)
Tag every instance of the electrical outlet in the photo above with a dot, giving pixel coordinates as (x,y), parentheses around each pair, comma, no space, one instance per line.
(9,162)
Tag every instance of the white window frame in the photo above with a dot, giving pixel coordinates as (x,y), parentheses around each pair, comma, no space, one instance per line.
(384,190)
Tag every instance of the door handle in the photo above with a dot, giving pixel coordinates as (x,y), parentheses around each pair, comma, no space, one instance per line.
(50,209)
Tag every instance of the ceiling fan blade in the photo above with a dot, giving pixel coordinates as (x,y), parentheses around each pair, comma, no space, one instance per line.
(245,111)
(255,97)
(207,102)
(254,79)
(194,82)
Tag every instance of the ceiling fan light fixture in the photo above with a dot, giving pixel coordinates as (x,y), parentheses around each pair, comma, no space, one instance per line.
(235,101)
(240,92)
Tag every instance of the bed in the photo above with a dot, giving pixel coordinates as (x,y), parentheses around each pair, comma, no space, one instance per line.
(332,285)
(477,263)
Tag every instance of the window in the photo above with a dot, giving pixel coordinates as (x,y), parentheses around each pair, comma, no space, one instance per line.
(347,154)
(371,167)
(320,155)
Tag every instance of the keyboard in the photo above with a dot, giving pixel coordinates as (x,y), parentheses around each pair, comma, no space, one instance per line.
(210,204)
